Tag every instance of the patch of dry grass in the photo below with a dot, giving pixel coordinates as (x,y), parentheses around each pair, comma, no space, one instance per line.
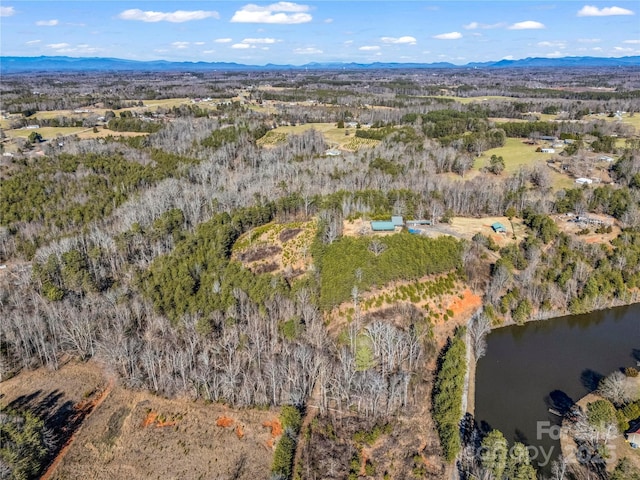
(277,248)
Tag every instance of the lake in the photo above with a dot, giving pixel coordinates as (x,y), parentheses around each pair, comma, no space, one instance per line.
(550,364)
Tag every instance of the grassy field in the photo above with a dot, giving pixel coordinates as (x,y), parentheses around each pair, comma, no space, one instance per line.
(47,133)
(517,154)
(467,100)
(51,133)
(166,102)
(101,133)
(333,135)
(626,118)
(148,105)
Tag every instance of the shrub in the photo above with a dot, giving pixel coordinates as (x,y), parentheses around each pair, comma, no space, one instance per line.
(291,420)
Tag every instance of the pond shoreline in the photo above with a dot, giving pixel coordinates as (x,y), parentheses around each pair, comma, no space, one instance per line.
(532,370)
(551,315)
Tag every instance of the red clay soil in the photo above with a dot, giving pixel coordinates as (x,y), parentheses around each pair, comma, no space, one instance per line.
(224,421)
(239,432)
(467,304)
(276,427)
(166,423)
(83,410)
(150,419)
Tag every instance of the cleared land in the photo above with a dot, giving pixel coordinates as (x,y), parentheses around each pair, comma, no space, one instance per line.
(587,231)
(460,227)
(277,248)
(136,435)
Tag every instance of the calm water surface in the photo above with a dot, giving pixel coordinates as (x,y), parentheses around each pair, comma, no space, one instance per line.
(550,364)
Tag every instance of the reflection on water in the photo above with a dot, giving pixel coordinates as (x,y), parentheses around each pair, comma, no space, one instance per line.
(533,372)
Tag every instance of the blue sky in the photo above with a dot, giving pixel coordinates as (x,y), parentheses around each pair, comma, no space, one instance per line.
(320,31)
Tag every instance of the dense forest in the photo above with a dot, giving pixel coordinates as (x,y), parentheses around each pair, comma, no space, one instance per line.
(133,244)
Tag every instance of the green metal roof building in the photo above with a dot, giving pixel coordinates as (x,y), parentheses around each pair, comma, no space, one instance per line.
(382,226)
(499,228)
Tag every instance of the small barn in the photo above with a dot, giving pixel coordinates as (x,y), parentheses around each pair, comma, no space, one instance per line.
(498,227)
(382,226)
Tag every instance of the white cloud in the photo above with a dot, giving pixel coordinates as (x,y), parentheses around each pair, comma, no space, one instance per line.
(33,42)
(178,16)
(632,41)
(252,41)
(286,13)
(527,25)
(552,44)
(448,36)
(47,23)
(208,52)
(223,40)
(369,48)
(180,45)
(399,40)
(82,48)
(348,42)
(7,11)
(556,54)
(307,51)
(589,40)
(597,49)
(592,11)
(198,43)
(328,20)
(508,57)
(621,49)
(485,26)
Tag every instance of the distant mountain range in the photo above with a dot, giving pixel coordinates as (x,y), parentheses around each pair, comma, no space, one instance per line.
(69,64)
